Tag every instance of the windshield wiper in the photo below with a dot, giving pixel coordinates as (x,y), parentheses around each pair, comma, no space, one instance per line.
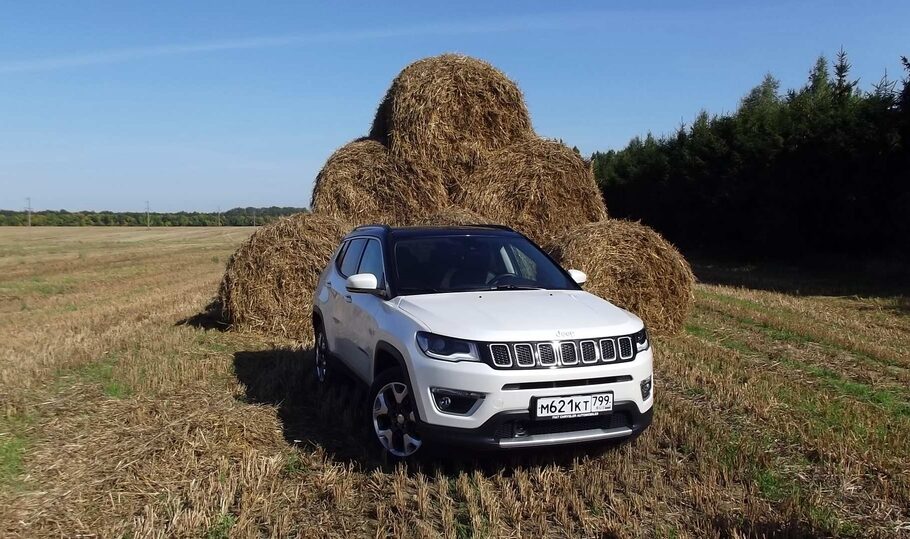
(417,290)
(514,287)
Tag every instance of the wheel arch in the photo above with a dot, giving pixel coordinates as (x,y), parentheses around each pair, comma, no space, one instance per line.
(386,357)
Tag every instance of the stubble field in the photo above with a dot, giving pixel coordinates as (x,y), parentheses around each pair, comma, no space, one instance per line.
(126,411)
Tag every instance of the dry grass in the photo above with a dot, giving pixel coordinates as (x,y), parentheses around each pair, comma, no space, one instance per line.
(268,284)
(539,187)
(443,113)
(774,418)
(360,184)
(632,266)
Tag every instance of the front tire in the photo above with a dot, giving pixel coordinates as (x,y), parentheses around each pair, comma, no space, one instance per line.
(393,415)
(321,355)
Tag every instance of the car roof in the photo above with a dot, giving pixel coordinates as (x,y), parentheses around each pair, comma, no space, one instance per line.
(431,230)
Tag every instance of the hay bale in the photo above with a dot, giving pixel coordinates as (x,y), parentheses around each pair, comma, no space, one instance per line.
(269,280)
(539,187)
(455,216)
(360,184)
(443,113)
(633,267)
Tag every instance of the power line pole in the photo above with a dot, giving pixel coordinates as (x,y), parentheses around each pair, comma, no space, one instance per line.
(254,216)
(148,225)
(219,215)
(28,206)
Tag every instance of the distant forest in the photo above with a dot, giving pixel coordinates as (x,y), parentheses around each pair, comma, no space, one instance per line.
(232,217)
(823,169)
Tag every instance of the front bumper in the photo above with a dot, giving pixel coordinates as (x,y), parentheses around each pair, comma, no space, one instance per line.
(621,379)
(515,429)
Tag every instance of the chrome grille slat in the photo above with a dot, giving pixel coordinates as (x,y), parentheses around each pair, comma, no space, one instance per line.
(524,355)
(502,357)
(565,353)
(568,353)
(608,350)
(546,355)
(588,352)
(625,348)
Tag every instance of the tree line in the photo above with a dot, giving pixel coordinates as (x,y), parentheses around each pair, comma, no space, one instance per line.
(822,169)
(232,217)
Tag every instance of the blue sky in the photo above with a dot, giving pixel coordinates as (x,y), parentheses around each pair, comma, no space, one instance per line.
(200,105)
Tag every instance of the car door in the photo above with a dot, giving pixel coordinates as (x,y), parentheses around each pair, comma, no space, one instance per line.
(365,311)
(340,301)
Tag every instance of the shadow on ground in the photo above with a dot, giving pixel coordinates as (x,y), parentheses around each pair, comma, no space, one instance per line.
(336,418)
(818,278)
(211,317)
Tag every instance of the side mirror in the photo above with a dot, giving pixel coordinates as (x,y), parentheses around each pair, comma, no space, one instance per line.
(363,282)
(578,276)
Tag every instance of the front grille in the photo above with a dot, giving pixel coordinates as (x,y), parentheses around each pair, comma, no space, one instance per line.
(588,352)
(501,355)
(547,354)
(625,348)
(566,353)
(524,355)
(549,384)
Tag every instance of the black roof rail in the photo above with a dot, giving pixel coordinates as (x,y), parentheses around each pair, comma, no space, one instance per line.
(376,225)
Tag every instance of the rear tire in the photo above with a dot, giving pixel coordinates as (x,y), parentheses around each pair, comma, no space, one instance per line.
(393,415)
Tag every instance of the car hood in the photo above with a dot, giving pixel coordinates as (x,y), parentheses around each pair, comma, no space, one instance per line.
(513,315)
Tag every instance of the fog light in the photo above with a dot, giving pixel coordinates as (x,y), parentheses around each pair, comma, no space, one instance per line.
(453,401)
(646,388)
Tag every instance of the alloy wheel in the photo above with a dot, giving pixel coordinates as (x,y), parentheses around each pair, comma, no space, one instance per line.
(395,421)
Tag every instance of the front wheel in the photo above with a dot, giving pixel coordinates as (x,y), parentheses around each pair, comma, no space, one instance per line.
(321,354)
(394,414)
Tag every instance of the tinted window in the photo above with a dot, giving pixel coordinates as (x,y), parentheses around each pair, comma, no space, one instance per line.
(372,261)
(462,263)
(352,257)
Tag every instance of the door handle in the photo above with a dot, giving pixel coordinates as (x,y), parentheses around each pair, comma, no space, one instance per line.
(348,299)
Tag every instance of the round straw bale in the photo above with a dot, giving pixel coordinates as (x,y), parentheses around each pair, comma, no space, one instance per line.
(455,216)
(269,280)
(633,267)
(539,187)
(360,184)
(442,113)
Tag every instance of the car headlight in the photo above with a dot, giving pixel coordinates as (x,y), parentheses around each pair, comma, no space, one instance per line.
(642,342)
(447,348)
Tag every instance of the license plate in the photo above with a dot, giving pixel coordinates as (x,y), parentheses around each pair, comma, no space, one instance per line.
(573,406)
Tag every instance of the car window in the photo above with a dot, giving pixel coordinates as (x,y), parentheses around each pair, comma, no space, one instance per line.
(352,257)
(371,262)
(340,255)
(461,263)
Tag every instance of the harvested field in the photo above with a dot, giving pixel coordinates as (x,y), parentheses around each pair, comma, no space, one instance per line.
(125,413)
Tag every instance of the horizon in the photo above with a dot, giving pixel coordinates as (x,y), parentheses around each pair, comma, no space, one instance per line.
(191,107)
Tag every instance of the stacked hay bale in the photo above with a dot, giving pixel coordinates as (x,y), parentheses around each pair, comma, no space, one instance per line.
(452,143)
(269,281)
(631,266)
(539,187)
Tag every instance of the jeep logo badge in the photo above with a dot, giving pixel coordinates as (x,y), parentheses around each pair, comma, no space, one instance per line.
(565,333)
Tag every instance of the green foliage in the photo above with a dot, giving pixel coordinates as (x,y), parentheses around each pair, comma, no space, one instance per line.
(821,169)
(232,217)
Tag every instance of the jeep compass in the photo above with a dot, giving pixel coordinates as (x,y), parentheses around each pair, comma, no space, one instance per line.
(472,335)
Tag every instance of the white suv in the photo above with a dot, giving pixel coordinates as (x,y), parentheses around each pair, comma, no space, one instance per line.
(472,335)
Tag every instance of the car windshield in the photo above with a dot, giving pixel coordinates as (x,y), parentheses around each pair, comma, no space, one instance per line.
(435,264)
